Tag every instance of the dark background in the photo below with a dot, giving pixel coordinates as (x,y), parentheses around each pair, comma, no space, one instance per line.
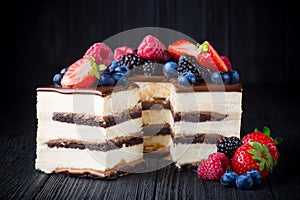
(40,37)
(261,38)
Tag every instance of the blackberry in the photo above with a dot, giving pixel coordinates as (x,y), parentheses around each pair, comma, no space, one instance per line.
(228,145)
(131,61)
(190,64)
(150,68)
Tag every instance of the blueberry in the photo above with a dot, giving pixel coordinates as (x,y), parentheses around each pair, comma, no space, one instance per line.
(187,79)
(225,77)
(244,181)
(57,79)
(113,65)
(63,70)
(117,76)
(228,178)
(122,69)
(216,78)
(106,80)
(170,69)
(234,76)
(255,175)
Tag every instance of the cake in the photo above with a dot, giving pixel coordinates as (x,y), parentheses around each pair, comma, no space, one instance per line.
(109,110)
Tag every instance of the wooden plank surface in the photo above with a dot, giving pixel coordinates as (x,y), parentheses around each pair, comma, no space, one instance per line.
(262,105)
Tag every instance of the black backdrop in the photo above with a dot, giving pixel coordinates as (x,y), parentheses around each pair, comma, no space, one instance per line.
(40,37)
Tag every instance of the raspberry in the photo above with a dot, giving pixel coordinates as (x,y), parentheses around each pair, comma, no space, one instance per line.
(122,51)
(152,49)
(228,145)
(101,53)
(214,167)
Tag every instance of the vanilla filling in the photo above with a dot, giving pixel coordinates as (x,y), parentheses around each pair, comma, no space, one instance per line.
(118,102)
(191,153)
(49,159)
(49,130)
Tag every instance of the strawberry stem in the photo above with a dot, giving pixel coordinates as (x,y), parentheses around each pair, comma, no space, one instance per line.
(262,155)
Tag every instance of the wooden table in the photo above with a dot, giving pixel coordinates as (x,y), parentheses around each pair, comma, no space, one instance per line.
(263,105)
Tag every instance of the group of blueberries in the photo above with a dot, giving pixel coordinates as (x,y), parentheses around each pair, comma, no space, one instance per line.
(189,79)
(243,181)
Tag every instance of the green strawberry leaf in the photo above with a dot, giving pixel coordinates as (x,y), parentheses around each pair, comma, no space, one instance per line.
(204,47)
(101,67)
(278,140)
(252,151)
(256,130)
(267,131)
(256,145)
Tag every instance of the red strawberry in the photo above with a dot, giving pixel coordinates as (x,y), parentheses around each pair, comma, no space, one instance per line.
(264,138)
(101,53)
(214,167)
(83,73)
(122,51)
(227,62)
(152,49)
(209,57)
(180,47)
(253,155)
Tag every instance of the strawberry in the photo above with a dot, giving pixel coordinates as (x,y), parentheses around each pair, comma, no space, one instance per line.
(101,53)
(122,51)
(227,62)
(152,49)
(253,155)
(180,47)
(264,138)
(209,57)
(83,73)
(214,167)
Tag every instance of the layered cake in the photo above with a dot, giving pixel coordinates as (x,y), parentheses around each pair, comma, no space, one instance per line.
(88,131)
(109,109)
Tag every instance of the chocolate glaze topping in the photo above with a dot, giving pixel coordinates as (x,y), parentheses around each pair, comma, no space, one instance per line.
(101,91)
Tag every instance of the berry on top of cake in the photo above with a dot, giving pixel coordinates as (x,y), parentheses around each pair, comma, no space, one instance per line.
(201,62)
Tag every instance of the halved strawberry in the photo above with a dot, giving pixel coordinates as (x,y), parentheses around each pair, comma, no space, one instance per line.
(180,47)
(209,57)
(83,73)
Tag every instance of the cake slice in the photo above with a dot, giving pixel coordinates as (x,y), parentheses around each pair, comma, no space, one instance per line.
(200,116)
(89,131)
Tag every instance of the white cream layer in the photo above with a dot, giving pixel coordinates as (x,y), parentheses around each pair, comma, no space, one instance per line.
(51,101)
(48,159)
(49,130)
(225,127)
(183,154)
(221,102)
